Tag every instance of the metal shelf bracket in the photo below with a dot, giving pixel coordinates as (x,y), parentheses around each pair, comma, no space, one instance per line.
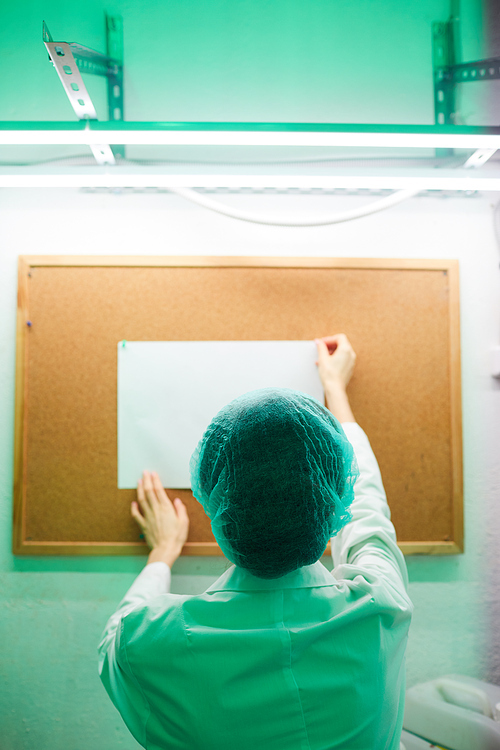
(71,60)
(448,73)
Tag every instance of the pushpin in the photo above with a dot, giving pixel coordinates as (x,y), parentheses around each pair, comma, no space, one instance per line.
(123,344)
(28,323)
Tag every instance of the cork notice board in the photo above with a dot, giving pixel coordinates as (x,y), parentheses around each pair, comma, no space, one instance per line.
(402,317)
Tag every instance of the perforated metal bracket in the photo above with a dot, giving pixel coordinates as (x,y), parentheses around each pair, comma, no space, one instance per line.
(443,58)
(448,72)
(70,60)
(479,157)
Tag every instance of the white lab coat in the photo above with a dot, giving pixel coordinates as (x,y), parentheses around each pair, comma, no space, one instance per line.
(310,661)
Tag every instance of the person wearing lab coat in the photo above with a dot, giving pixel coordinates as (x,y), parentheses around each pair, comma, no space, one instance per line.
(311,660)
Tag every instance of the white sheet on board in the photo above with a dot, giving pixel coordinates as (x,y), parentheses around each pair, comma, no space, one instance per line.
(169,391)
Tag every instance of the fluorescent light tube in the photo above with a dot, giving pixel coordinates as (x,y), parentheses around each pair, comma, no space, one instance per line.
(231,134)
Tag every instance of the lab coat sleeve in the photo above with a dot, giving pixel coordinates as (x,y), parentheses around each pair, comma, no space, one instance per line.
(114,670)
(369,539)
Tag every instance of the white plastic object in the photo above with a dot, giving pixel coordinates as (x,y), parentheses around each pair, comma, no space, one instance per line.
(455,711)
(412,742)
(495,361)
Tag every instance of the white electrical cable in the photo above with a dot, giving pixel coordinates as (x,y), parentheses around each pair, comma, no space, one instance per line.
(234,213)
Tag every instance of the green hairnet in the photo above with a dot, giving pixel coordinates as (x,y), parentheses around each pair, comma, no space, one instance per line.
(275,473)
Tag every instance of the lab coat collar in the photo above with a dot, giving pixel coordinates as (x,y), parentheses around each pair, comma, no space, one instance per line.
(239,579)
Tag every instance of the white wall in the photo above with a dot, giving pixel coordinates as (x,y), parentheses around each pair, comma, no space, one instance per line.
(451,595)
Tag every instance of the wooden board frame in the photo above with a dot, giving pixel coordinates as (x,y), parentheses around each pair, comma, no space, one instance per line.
(21,546)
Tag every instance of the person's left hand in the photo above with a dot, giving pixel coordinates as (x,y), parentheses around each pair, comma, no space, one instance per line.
(165,525)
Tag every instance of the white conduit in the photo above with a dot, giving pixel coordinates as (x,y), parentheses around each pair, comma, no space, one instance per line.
(234,213)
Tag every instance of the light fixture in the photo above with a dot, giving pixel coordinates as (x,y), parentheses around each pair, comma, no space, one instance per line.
(144,177)
(93,132)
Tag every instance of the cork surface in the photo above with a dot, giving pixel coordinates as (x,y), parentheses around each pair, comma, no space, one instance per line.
(398,321)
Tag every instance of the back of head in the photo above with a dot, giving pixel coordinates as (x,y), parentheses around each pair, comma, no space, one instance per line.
(275,474)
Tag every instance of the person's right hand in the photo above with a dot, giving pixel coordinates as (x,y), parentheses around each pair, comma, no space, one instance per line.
(336,359)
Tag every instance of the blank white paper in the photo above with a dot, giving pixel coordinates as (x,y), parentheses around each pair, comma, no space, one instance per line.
(169,391)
